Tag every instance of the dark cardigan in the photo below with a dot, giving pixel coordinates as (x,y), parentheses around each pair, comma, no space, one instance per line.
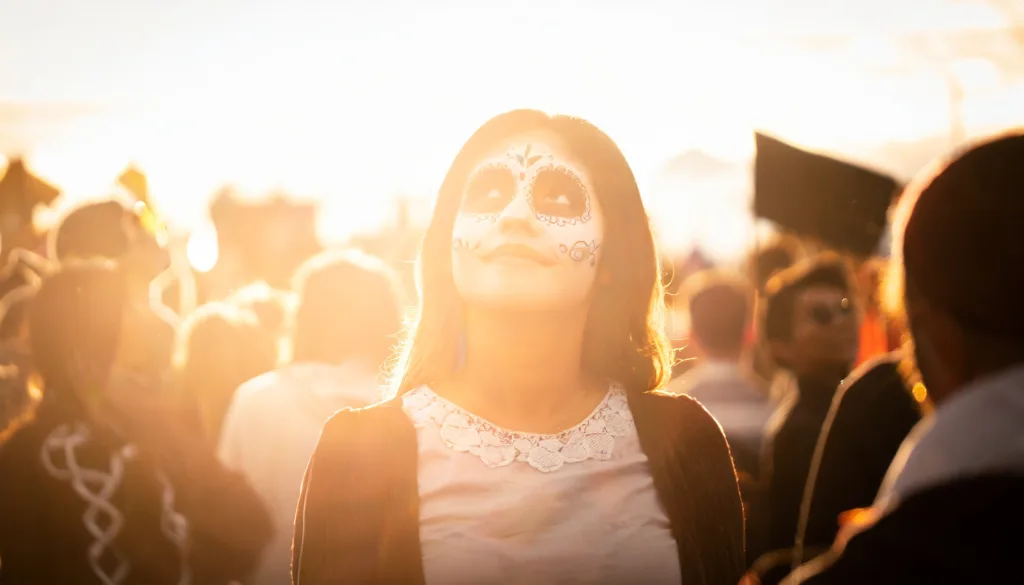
(358,512)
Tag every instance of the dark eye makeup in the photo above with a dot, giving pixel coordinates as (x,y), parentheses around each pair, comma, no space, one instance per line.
(558,193)
(489,190)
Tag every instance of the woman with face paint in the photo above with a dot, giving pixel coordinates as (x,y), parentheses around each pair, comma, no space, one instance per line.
(528,442)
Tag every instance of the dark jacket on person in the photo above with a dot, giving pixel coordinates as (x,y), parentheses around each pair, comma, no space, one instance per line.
(358,513)
(965,532)
(871,415)
(81,504)
(15,400)
(790,440)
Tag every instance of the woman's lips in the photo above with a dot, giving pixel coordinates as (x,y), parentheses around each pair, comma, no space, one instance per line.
(517,252)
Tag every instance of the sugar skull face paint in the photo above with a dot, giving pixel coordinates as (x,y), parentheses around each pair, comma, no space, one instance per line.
(529,230)
(554,188)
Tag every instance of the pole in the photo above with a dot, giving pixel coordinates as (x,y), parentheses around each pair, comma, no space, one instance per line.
(957,127)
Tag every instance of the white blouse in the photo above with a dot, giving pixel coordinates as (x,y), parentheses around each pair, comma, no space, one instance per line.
(503,507)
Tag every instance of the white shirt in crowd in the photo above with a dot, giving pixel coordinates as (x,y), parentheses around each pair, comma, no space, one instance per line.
(270,432)
(980,430)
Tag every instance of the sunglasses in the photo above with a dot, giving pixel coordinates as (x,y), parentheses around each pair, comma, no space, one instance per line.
(826,314)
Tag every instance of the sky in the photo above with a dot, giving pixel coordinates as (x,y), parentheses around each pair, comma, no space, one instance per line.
(354,102)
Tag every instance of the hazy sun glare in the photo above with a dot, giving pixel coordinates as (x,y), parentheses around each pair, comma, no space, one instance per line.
(355,104)
(202,251)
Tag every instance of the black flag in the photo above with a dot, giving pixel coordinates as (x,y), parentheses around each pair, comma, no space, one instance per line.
(842,204)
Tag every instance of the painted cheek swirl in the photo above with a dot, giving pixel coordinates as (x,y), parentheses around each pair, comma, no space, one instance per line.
(582,251)
(463,245)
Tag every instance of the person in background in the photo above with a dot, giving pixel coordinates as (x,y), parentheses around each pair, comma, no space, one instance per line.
(271,306)
(15,357)
(220,347)
(345,323)
(117,229)
(719,305)
(810,328)
(949,509)
(871,415)
(14,312)
(23,268)
(762,265)
(99,487)
(78,504)
(877,334)
(772,259)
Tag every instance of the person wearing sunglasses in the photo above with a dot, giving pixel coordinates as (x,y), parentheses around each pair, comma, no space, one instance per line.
(949,509)
(809,327)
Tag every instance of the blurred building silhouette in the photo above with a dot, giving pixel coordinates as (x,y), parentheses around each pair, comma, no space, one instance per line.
(21,192)
(262,240)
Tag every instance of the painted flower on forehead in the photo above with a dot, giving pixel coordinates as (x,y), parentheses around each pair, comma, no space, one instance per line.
(525,159)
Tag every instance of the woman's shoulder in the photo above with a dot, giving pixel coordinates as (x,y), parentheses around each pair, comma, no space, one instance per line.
(378,419)
(378,431)
(365,450)
(660,407)
(677,423)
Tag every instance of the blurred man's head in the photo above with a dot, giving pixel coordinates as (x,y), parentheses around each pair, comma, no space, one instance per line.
(126,232)
(349,306)
(75,330)
(220,347)
(959,231)
(810,322)
(719,307)
(270,305)
(115,229)
(774,258)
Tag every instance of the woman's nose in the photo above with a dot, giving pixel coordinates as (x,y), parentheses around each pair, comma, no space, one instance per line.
(519,215)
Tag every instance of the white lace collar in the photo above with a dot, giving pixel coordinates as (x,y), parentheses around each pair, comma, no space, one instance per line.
(594,438)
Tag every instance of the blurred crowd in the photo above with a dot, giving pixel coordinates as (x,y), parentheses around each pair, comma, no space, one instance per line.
(179,440)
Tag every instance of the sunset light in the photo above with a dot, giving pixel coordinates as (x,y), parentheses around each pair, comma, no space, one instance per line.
(303,100)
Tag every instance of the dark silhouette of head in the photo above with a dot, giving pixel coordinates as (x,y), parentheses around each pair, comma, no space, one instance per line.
(958,237)
(623,339)
(809,319)
(772,259)
(75,323)
(720,313)
(349,305)
(270,305)
(116,229)
(220,347)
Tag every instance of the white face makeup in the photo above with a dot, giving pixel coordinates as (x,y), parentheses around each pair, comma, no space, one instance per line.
(529,231)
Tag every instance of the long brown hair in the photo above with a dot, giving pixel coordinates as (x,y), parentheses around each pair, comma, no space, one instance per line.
(624,340)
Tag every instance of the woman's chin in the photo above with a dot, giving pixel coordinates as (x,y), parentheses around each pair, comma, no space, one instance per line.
(523,299)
